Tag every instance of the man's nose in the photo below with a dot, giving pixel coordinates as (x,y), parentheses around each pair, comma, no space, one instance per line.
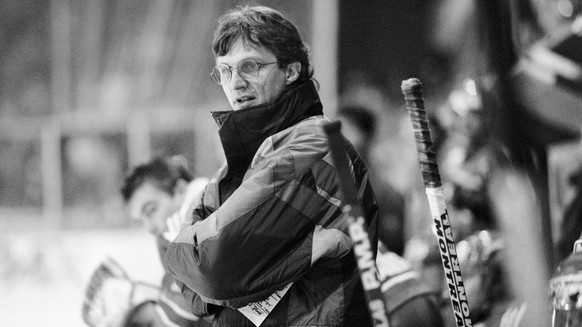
(237,81)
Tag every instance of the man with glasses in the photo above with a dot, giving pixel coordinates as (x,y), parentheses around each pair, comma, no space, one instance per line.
(269,226)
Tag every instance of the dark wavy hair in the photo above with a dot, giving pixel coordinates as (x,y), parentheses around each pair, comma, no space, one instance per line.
(163,172)
(263,26)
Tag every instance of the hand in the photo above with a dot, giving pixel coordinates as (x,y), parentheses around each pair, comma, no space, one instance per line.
(193,193)
(173,226)
(512,316)
(183,217)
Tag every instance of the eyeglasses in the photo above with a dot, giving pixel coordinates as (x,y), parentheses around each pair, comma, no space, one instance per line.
(246,69)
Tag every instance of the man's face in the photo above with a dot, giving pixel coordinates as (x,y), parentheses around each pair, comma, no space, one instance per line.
(263,89)
(151,206)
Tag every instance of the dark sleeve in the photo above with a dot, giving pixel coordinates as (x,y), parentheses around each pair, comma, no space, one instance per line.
(183,308)
(194,302)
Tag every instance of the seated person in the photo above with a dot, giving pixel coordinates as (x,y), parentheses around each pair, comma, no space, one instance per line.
(410,301)
(159,194)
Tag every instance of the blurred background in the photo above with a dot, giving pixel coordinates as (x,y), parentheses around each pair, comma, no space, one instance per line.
(90,88)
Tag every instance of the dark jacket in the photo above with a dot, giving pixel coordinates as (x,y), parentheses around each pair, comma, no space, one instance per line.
(273,215)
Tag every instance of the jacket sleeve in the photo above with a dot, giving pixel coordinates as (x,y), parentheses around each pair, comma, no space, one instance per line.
(197,307)
(183,309)
(262,237)
(179,307)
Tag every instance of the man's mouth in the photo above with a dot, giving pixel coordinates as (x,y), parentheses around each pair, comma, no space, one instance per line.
(245,99)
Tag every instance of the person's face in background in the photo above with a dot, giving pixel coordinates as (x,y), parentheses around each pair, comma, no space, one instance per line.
(151,206)
(263,89)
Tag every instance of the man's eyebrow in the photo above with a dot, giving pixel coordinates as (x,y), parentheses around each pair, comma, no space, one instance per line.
(256,57)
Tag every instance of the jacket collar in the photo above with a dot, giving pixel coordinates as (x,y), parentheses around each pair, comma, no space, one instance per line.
(243,131)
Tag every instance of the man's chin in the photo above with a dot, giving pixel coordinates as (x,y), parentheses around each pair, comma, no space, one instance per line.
(244,105)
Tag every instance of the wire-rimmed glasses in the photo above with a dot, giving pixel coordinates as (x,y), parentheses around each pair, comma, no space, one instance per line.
(249,68)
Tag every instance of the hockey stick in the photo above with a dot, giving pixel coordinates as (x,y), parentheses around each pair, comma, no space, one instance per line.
(355,216)
(412,89)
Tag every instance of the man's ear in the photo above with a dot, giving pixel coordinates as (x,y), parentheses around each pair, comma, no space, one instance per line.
(293,70)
